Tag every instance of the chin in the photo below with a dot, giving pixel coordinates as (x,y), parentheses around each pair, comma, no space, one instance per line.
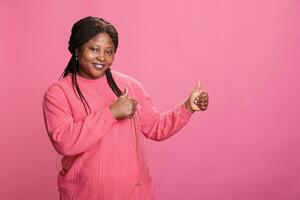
(98,75)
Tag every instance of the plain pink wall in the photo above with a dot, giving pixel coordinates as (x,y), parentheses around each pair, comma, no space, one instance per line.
(244,147)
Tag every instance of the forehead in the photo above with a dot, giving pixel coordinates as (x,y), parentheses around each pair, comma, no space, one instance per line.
(101,39)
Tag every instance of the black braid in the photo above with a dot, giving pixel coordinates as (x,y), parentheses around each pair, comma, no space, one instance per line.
(73,68)
(111,82)
(82,31)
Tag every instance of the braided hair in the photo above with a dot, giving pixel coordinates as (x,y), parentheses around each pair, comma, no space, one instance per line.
(82,31)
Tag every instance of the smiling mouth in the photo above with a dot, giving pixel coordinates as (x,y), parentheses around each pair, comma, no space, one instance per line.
(99,66)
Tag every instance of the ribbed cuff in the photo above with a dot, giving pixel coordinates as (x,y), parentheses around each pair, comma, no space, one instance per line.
(184,112)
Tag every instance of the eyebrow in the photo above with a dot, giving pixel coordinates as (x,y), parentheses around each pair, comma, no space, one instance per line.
(107,47)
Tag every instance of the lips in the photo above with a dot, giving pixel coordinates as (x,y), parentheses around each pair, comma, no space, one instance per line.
(99,66)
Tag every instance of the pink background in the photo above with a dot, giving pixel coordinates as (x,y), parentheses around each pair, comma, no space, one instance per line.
(246,53)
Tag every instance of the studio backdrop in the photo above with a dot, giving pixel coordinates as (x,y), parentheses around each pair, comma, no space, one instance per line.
(246,146)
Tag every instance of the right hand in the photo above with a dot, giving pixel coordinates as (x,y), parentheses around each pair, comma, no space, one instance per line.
(123,107)
(198,100)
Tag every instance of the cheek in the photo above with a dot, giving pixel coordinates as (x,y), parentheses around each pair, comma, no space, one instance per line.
(111,59)
(85,59)
(90,56)
(87,56)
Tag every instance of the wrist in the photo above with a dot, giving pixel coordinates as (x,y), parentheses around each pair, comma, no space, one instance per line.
(112,110)
(188,107)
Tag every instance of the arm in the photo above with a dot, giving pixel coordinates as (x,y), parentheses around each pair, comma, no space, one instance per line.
(69,137)
(161,125)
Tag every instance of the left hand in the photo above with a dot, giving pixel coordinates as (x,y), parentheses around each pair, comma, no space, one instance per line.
(198,100)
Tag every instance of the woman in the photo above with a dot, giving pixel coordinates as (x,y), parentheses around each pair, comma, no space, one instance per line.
(97,128)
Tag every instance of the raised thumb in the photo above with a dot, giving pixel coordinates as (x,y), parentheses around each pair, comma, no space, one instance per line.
(198,87)
(125,94)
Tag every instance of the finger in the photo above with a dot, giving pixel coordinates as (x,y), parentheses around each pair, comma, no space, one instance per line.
(202,104)
(203,94)
(125,94)
(198,101)
(131,114)
(133,110)
(203,108)
(198,87)
(133,103)
(201,100)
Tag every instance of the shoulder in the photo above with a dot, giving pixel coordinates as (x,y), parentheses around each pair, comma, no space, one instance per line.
(59,88)
(126,79)
(131,83)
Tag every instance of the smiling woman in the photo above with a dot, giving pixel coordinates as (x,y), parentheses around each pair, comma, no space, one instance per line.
(95,56)
(88,35)
(103,155)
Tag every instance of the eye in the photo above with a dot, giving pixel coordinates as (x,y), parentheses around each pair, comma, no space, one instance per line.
(94,50)
(109,52)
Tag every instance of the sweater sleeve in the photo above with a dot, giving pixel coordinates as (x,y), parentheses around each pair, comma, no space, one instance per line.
(69,137)
(157,125)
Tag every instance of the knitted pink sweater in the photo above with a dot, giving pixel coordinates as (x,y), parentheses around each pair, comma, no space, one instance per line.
(103,158)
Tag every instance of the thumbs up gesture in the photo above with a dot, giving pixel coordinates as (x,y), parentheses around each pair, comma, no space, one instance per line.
(123,107)
(198,100)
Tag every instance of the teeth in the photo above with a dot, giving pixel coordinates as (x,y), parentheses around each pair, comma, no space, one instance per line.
(98,66)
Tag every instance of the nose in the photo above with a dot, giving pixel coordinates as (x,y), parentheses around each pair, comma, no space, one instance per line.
(101,57)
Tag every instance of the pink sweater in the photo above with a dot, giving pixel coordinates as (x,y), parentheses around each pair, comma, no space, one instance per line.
(103,158)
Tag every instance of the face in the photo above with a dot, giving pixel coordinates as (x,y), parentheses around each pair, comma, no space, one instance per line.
(96,56)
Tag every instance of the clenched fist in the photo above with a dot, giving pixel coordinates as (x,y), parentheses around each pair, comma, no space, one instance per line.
(198,100)
(123,107)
